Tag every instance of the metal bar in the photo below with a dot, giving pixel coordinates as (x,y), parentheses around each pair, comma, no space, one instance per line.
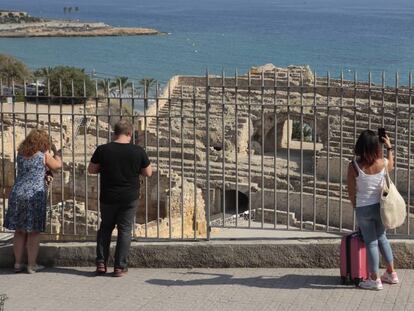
(396,129)
(108,112)
(315,107)
(289,138)
(169,161)
(396,133)
(207,125)
(3,160)
(249,159)
(355,133)
(262,148)
(14,128)
(369,100)
(98,179)
(85,144)
(341,151)
(25,106)
(236,142)
(255,98)
(157,112)
(146,88)
(301,151)
(275,149)
(153,116)
(49,103)
(182,160)
(383,98)
(134,140)
(37,103)
(120,98)
(410,79)
(195,163)
(62,174)
(328,80)
(223,146)
(73,159)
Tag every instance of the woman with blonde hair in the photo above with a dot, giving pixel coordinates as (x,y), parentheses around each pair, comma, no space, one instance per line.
(26,213)
(365,182)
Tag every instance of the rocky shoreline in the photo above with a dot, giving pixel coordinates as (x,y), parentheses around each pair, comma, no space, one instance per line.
(59,28)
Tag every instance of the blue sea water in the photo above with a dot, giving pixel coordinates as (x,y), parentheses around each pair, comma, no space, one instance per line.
(334,35)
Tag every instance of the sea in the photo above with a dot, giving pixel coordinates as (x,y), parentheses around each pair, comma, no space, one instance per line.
(224,35)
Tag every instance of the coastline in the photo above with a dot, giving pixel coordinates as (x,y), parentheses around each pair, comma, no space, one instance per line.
(60,28)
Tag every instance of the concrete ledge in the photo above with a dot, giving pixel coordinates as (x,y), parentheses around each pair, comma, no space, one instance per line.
(214,254)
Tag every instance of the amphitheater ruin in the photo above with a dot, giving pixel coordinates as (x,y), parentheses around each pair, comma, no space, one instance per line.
(266,149)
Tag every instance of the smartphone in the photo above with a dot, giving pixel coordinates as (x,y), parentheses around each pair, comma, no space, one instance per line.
(381,134)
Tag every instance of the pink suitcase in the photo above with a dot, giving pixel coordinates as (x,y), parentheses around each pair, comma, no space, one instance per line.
(354,265)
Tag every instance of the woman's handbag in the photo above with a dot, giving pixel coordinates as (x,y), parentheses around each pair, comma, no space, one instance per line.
(393,208)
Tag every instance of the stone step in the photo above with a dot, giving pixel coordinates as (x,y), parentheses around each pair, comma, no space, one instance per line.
(322,191)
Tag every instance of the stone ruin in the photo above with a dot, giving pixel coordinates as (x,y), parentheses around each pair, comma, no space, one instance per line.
(261,145)
(317,198)
(73,196)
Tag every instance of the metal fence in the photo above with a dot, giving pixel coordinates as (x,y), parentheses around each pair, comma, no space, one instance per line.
(266,150)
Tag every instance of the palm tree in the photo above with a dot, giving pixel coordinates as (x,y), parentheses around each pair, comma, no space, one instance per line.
(104,85)
(43,72)
(121,83)
(147,83)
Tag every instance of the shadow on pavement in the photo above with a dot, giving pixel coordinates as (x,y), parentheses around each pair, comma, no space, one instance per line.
(70,271)
(289,281)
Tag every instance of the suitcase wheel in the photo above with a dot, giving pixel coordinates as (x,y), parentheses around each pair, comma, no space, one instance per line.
(357,281)
(346,280)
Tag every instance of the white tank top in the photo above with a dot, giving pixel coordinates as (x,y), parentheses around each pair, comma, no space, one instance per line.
(368,186)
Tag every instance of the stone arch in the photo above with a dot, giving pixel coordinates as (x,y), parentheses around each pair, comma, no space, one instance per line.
(231,201)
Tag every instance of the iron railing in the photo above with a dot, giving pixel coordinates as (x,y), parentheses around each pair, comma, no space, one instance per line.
(266,150)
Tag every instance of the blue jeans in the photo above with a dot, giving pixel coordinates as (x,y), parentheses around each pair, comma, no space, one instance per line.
(373,233)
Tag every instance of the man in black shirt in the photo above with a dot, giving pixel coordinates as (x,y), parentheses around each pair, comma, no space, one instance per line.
(119,163)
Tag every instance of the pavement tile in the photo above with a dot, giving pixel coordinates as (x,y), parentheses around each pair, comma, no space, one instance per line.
(199,289)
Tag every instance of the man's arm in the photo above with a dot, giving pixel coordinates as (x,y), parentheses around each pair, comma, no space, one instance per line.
(93,168)
(147,171)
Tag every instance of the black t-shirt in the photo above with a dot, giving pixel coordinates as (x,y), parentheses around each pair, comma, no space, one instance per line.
(119,166)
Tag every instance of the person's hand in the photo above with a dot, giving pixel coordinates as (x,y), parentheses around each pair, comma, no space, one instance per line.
(48,178)
(55,151)
(387,141)
(53,148)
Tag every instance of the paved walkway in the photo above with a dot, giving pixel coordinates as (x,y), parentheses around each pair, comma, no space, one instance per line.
(199,289)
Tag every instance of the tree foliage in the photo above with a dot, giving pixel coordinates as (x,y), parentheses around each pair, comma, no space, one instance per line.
(121,83)
(65,75)
(42,73)
(297,131)
(12,69)
(104,85)
(147,83)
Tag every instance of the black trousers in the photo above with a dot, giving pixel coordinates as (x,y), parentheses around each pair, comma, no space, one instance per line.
(121,215)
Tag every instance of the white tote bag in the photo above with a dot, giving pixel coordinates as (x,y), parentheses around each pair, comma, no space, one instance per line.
(393,208)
